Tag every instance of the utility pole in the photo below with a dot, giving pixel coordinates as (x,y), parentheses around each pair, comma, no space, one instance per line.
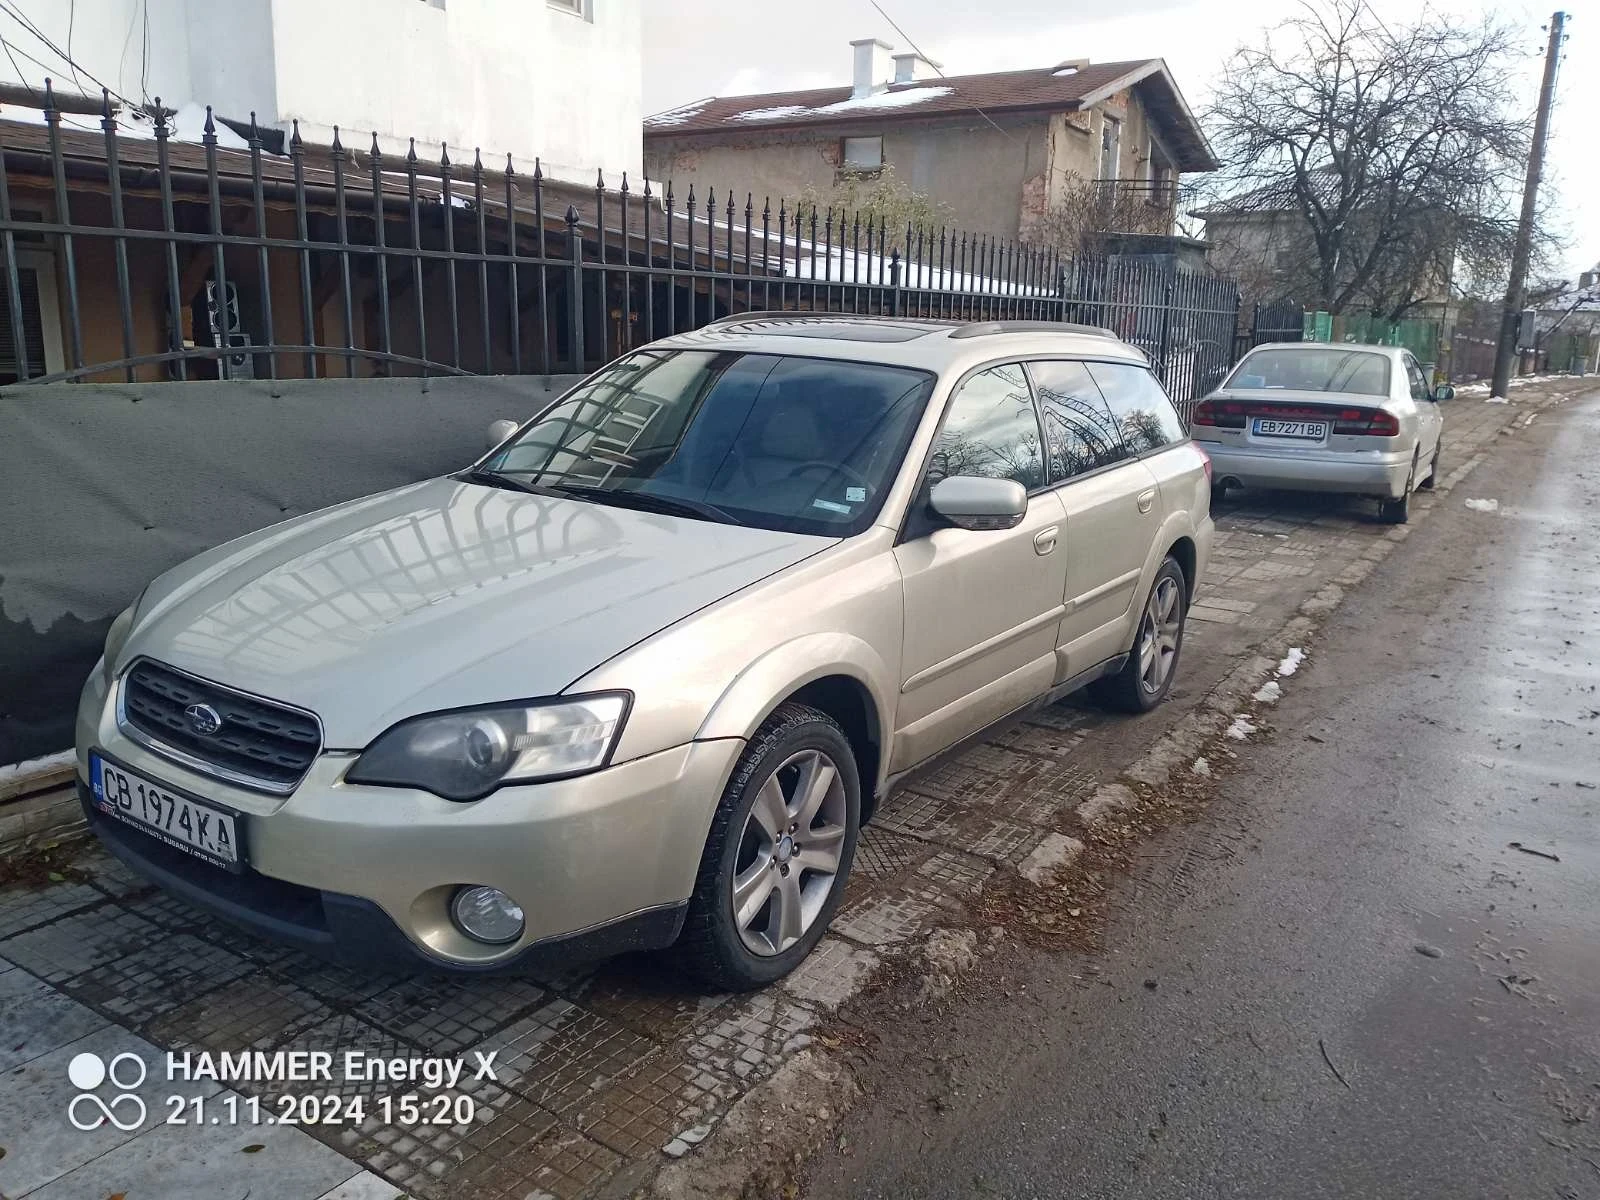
(1511,315)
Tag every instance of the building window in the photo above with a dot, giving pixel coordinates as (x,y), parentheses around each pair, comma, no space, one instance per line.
(583,9)
(863,154)
(1110,147)
(41,318)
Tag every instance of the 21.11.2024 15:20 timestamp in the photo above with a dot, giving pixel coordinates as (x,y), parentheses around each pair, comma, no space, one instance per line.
(408,1108)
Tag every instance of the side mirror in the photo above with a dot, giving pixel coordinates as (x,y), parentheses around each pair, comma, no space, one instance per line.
(975,502)
(1443,392)
(500,430)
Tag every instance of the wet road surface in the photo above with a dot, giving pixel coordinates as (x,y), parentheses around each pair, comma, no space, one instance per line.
(1345,981)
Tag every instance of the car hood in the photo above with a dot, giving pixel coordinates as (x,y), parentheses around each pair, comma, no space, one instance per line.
(441,595)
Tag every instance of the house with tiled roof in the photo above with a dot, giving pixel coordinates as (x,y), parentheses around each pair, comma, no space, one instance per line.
(1007,153)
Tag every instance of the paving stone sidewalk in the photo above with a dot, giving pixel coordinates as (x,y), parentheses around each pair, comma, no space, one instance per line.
(601,1075)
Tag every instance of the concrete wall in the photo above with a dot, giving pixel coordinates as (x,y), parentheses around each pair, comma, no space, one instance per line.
(508,75)
(109,485)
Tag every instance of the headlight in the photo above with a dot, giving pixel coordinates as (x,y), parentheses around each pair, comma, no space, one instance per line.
(466,755)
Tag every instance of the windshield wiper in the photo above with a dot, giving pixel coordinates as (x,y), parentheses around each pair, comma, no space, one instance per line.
(495,479)
(648,502)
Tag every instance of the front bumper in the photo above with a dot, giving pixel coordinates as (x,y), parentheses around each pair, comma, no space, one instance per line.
(599,863)
(1366,473)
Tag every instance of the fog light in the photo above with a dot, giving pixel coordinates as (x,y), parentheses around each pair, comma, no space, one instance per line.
(487,914)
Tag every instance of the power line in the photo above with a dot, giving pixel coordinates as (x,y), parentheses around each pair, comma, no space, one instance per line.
(22,19)
(918,49)
(72,21)
(21,75)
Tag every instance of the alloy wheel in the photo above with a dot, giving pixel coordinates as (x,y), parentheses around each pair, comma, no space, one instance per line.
(789,852)
(1158,635)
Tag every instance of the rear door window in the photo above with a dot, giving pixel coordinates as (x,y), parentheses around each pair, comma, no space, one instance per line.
(1144,415)
(1415,377)
(1080,433)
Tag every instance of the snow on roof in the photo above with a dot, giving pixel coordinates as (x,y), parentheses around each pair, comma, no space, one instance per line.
(186,125)
(677,116)
(877,100)
(770,114)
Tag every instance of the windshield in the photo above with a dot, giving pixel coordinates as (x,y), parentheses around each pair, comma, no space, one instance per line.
(1320,369)
(805,445)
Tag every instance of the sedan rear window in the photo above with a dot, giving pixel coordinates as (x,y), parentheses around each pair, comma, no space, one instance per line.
(804,445)
(1313,369)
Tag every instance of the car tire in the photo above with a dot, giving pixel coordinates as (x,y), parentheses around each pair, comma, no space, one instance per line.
(792,752)
(1433,470)
(1398,512)
(1135,688)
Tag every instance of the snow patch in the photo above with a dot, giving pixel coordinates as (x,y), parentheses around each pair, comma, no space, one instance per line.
(677,116)
(1269,692)
(1201,768)
(1497,400)
(1483,505)
(12,772)
(1291,661)
(1241,728)
(900,99)
(886,99)
(775,113)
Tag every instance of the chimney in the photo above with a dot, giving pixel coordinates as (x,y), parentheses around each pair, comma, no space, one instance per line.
(1585,281)
(908,68)
(872,67)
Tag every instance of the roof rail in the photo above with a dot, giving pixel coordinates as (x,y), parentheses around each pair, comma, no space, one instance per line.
(817,315)
(987,328)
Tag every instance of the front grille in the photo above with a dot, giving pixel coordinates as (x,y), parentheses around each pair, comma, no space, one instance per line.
(258,740)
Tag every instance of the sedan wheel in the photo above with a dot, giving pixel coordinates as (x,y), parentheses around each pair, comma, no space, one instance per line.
(778,854)
(1398,512)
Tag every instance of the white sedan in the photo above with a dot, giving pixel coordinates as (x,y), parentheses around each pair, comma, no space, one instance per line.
(1310,416)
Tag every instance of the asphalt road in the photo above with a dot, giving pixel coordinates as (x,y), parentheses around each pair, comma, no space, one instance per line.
(1344,981)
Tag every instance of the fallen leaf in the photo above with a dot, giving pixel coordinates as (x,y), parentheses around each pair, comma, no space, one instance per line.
(253,1148)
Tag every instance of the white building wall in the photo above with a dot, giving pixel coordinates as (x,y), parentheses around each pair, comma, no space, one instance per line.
(506,75)
(513,76)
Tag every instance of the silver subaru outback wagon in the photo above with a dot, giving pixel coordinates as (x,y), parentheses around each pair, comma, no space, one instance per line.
(636,678)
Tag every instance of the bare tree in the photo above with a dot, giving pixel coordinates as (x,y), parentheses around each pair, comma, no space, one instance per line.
(1391,147)
(1086,212)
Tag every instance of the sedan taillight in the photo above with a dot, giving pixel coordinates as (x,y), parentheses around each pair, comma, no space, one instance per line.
(1218,415)
(1366,422)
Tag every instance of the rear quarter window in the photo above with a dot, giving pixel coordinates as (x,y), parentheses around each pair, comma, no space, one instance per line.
(1140,408)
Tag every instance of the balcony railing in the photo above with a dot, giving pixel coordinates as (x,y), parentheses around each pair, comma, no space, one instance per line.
(1137,205)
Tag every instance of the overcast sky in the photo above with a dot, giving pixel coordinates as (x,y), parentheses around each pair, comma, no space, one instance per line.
(696,48)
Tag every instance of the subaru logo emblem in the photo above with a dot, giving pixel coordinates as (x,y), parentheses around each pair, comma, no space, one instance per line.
(203,719)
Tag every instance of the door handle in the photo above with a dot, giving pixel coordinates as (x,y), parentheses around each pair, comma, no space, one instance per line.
(1146,499)
(1045,540)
